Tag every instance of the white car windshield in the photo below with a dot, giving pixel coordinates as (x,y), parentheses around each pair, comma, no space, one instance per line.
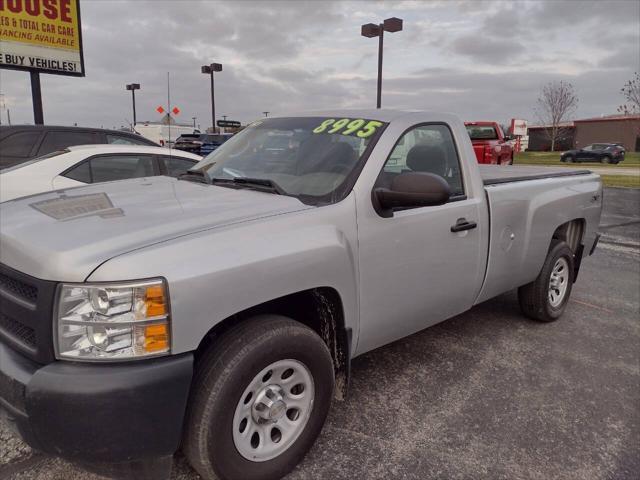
(312,158)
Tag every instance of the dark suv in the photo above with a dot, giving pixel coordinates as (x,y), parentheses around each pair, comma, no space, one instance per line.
(19,143)
(596,152)
(201,143)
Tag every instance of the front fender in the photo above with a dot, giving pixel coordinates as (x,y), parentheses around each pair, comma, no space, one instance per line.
(216,274)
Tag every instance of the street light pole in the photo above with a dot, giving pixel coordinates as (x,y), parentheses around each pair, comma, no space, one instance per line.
(371,30)
(133,87)
(209,69)
(380,49)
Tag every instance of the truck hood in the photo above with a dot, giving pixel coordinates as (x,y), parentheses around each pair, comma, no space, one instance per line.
(64,235)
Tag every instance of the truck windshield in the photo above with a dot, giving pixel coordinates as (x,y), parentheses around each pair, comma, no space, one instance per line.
(482,132)
(312,158)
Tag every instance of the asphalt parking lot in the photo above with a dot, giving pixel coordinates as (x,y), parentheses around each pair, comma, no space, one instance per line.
(487,394)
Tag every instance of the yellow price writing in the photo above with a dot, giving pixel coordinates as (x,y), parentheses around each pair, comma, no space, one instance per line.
(360,127)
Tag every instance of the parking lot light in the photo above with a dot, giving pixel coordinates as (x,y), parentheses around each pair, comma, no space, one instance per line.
(371,30)
(209,70)
(133,87)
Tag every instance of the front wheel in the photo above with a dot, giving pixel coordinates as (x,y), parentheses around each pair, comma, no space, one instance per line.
(261,396)
(545,299)
(569,159)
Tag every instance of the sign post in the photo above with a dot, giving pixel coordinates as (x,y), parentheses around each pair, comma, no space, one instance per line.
(41,37)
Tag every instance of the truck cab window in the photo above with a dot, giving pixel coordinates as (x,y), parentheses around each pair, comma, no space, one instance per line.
(427,148)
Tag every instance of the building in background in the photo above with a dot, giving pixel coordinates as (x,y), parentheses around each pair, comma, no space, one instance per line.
(539,140)
(623,129)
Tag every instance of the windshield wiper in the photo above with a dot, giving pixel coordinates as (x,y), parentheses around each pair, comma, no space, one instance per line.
(195,176)
(261,184)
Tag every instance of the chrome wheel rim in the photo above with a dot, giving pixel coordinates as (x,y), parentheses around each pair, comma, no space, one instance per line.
(273,410)
(558,282)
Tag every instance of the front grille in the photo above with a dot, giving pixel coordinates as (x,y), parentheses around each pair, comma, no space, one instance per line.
(24,334)
(23,290)
(26,309)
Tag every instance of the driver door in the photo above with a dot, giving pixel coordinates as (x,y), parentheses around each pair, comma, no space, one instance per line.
(414,271)
(585,154)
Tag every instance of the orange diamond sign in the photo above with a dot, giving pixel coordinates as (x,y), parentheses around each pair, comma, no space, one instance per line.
(160,109)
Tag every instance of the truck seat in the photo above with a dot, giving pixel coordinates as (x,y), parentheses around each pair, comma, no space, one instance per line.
(429,159)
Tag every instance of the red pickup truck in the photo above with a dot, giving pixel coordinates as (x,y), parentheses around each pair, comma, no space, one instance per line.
(490,144)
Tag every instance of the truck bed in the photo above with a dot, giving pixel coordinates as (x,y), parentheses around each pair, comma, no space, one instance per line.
(497,174)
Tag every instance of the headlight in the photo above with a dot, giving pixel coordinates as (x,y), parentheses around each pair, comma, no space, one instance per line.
(102,322)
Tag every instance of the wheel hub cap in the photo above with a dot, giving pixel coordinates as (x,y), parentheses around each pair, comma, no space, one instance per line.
(273,410)
(269,405)
(558,282)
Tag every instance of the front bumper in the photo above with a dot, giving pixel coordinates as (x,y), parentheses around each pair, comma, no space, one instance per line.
(97,414)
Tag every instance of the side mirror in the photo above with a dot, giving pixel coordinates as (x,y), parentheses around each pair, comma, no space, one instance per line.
(507,138)
(411,189)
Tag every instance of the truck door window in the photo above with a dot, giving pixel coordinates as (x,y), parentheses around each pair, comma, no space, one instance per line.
(427,148)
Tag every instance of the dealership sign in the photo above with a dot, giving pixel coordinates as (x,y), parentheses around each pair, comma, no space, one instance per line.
(518,127)
(41,36)
(228,123)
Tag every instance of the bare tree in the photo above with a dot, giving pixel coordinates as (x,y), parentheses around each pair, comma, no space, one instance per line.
(631,93)
(556,103)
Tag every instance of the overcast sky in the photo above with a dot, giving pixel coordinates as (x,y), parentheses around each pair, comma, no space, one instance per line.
(480,60)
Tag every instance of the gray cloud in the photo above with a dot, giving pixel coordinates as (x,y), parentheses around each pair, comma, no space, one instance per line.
(486,49)
(478,59)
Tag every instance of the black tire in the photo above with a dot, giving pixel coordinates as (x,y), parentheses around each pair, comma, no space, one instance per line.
(569,159)
(222,375)
(534,297)
(605,159)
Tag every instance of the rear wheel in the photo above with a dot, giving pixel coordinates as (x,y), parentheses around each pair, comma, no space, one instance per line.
(545,299)
(261,396)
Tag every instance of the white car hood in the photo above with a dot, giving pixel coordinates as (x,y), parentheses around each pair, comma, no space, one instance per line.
(66,234)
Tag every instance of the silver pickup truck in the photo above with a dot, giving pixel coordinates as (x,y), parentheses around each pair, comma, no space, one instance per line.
(219,312)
